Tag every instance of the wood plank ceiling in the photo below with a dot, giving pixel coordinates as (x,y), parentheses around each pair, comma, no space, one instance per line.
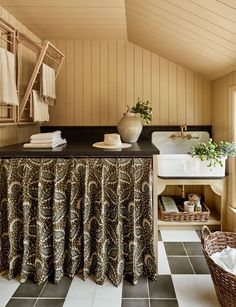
(198,34)
(71,19)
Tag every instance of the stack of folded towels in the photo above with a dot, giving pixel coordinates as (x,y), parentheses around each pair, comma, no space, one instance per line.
(45,140)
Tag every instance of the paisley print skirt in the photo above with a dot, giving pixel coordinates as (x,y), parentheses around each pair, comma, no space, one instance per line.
(78,215)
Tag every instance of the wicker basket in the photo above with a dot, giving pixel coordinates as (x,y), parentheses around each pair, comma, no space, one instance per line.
(224,282)
(183,216)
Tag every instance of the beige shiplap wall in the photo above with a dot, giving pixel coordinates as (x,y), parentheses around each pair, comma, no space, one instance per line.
(14,134)
(221,110)
(99,78)
(222,124)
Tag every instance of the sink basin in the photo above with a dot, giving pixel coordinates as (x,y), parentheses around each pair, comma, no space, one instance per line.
(174,160)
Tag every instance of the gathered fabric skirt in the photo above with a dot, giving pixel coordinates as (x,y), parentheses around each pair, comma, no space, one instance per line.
(89,215)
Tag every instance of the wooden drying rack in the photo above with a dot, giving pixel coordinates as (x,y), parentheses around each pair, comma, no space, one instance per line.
(46,53)
(8,113)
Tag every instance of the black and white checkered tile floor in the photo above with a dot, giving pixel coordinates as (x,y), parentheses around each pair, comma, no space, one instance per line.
(183,280)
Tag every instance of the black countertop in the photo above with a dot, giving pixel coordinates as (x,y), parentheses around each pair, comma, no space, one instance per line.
(79,149)
(80,140)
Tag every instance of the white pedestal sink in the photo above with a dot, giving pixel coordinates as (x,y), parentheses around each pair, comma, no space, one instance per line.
(174,160)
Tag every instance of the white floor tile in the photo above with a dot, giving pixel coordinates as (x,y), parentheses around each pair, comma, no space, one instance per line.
(7,288)
(108,291)
(81,302)
(107,303)
(179,236)
(163,264)
(195,291)
(81,289)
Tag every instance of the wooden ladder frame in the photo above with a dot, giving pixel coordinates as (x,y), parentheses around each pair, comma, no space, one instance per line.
(10,33)
(42,55)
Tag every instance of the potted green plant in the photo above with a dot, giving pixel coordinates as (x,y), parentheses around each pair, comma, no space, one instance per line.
(130,126)
(214,153)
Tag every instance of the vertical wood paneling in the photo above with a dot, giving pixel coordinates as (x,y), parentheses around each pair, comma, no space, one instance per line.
(138,71)
(112,83)
(87,84)
(99,78)
(181,95)
(95,83)
(223,129)
(104,84)
(164,95)
(129,68)
(173,106)
(190,97)
(147,75)
(70,81)
(198,99)
(206,113)
(155,88)
(78,82)
(121,79)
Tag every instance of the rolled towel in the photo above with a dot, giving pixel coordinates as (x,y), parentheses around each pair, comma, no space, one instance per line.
(44,145)
(45,136)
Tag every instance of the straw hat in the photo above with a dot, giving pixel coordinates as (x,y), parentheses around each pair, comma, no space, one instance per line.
(111,141)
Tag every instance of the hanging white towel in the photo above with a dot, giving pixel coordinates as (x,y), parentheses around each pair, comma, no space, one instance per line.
(45,145)
(8,92)
(40,108)
(47,84)
(46,135)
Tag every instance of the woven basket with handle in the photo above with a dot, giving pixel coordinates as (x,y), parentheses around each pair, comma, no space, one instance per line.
(224,282)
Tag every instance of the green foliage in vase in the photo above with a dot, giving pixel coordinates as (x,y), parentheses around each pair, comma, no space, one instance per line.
(213,152)
(144,109)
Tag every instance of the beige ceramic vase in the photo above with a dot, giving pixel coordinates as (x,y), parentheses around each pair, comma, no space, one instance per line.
(130,127)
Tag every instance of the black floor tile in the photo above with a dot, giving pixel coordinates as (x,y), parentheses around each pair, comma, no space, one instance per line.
(159,236)
(174,248)
(50,303)
(21,303)
(199,233)
(180,265)
(135,303)
(162,287)
(135,291)
(199,264)
(28,289)
(163,303)
(57,290)
(193,248)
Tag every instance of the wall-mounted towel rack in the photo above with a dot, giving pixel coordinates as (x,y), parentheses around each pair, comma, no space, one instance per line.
(11,38)
(49,55)
(8,113)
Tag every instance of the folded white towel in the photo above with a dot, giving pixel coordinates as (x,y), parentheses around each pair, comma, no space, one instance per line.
(44,145)
(46,135)
(47,84)
(226,259)
(40,108)
(8,92)
(50,141)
